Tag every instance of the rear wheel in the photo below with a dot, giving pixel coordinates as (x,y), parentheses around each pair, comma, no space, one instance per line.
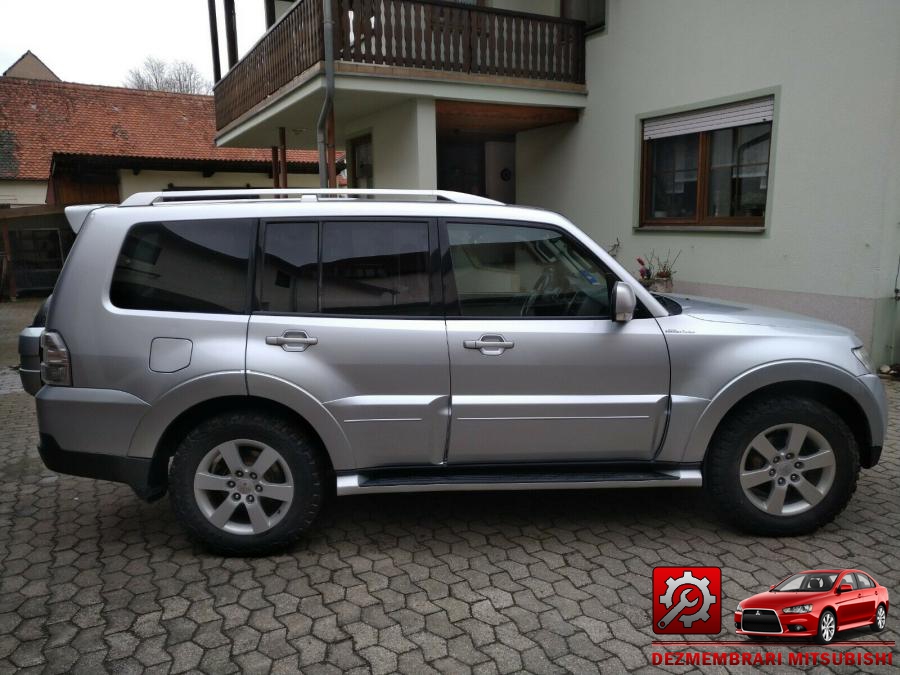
(827,628)
(246,484)
(782,466)
(880,619)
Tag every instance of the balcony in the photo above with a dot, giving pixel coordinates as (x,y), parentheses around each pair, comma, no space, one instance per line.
(405,39)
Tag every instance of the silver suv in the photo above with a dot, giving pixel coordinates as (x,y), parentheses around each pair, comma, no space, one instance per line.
(252,351)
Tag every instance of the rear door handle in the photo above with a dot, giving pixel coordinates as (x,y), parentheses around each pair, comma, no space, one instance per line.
(490,345)
(292,340)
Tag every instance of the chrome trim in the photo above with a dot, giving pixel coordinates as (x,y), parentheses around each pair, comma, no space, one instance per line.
(350,484)
(761,609)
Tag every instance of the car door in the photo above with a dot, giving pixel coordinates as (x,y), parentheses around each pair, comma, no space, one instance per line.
(848,602)
(539,371)
(347,314)
(867,597)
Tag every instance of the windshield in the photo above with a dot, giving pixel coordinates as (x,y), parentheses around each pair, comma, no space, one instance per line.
(812,583)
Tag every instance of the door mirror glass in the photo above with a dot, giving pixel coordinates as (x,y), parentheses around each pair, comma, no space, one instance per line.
(624,302)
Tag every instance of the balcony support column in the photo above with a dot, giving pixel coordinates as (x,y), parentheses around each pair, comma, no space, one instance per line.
(276,169)
(214,40)
(231,33)
(283,152)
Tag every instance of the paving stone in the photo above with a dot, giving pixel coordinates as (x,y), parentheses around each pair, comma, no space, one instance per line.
(93,580)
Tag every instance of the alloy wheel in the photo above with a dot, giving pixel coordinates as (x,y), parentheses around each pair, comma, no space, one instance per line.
(881,617)
(827,627)
(787,469)
(243,487)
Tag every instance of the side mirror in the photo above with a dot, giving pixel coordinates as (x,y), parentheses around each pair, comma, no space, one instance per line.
(845,588)
(623,302)
(772,587)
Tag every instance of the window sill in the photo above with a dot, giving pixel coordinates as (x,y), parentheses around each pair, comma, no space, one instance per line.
(736,229)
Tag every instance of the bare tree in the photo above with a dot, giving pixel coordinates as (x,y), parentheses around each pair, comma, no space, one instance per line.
(157,75)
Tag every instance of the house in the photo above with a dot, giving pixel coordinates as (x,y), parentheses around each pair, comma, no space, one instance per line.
(65,143)
(760,139)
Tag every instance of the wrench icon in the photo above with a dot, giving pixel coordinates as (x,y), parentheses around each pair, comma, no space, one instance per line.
(676,610)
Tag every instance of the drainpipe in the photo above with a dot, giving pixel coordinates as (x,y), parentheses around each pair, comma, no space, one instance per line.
(327,106)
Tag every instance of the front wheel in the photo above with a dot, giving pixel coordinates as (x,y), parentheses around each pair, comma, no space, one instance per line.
(827,628)
(782,466)
(246,483)
(880,619)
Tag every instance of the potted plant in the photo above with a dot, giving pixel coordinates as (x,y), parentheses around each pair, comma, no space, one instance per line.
(655,274)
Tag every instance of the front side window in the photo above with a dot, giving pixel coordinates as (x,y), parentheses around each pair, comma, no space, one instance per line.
(518,271)
(184,266)
(707,168)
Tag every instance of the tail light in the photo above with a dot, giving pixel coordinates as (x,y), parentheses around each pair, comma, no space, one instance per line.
(56,367)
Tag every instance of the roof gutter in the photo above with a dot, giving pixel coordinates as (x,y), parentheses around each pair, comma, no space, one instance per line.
(328,34)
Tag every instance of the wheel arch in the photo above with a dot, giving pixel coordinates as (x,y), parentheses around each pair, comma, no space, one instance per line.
(187,420)
(837,389)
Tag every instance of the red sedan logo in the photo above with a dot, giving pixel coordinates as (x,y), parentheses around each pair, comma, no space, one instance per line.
(816,604)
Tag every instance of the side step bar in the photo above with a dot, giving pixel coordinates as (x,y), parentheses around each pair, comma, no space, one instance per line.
(430,481)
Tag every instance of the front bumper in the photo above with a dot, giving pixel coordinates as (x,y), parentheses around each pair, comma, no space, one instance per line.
(791,625)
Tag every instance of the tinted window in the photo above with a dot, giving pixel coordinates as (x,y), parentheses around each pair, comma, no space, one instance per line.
(185,266)
(290,275)
(506,270)
(376,267)
(863,581)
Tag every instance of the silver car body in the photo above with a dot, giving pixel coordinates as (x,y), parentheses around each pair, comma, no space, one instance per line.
(383,392)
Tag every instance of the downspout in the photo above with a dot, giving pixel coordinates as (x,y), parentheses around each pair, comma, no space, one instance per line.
(328,34)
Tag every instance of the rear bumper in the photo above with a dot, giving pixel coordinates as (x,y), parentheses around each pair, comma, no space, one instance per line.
(136,472)
(30,359)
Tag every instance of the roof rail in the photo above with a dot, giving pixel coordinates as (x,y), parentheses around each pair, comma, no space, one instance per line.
(175,196)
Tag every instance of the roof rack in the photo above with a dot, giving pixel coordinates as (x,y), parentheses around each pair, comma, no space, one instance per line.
(303,194)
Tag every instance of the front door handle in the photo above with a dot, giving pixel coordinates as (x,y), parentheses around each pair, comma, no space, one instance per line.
(292,340)
(491,345)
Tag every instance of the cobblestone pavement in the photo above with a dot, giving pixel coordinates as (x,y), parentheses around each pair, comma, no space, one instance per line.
(93,580)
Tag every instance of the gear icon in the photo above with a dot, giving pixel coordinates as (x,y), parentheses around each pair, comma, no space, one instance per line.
(701,584)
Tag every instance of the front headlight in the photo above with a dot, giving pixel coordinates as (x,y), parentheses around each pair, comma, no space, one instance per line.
(739,609)
(862,355)
(797,609)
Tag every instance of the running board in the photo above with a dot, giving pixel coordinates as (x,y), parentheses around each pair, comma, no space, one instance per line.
(429,481)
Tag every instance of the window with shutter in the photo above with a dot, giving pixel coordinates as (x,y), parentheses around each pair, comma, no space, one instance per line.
(707,167)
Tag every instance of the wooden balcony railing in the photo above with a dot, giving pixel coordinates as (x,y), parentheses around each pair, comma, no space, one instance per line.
(420,34)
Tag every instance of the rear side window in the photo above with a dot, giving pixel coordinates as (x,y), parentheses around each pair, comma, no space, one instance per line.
(184,266)
(863,581)
(377,267)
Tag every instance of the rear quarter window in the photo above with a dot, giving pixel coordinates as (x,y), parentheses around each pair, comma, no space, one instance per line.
(184,266)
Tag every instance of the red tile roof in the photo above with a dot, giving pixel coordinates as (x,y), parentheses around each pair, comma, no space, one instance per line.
(39,118)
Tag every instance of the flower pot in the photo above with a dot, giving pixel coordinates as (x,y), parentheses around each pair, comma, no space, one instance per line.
(662,285)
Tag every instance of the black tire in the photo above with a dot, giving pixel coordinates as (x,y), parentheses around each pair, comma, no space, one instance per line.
(722,466)
(301,453)
(822,639)
(874,626)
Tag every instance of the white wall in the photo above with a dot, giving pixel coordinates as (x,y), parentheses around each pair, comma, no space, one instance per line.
(835,202)
(149,181)
(404,144)
(23,192)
